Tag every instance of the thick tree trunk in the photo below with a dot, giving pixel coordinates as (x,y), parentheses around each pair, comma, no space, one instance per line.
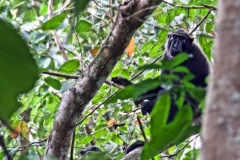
(221,123)
(131,16)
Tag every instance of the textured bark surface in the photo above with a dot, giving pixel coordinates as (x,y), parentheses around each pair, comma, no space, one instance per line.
(75,99)
(133,155)
(221,123)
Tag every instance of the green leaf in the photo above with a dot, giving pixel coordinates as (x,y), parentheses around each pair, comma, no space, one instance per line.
(18,68)
(83,26)
(154,51)
(209,27)
(164,134)
(188,132)
(80,5)
(54,22)
(53,83)
(134,91)
(179,59)
(189,154)
(175,62)
(86,139)
(29,15)
(181,69)
(146,47)
(125,73)
(206,45)
(161,109)
(43,9)
(70,66)
(52,103)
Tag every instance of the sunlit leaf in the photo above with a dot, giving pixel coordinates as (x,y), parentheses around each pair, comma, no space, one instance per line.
(52,103)
(24,129)
(209,27)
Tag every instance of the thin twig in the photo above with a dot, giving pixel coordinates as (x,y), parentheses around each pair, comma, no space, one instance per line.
(99,18)
(178,151)
(207,6)
(141,128)
(104,11)
(72,145)
(96,108)
(31,144)
(61,75)
(54,33)
(191,7)
(133,111)
(135,76)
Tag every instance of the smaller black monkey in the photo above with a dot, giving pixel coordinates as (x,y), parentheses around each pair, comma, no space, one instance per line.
(93,153)
(135,145)
(90,149)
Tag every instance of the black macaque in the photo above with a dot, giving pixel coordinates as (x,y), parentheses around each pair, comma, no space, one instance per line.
(178,41)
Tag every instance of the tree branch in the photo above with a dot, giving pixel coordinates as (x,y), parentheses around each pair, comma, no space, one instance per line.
(79,95)
(205,17)
(191,7)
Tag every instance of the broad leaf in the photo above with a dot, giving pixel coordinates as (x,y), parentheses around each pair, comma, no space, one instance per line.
(53,83)
(83,26)
(54,22)
(164,135)
(134,91)
(18,68)
(70,66)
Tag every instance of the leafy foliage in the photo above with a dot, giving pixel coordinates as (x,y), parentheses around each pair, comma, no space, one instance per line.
(81,26)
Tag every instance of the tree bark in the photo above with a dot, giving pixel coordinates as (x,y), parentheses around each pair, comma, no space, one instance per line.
(221,122)
(131,16)
(133,155)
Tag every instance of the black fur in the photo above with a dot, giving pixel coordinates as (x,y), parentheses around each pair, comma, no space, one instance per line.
(178,41)
(90,149)
(135,145)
